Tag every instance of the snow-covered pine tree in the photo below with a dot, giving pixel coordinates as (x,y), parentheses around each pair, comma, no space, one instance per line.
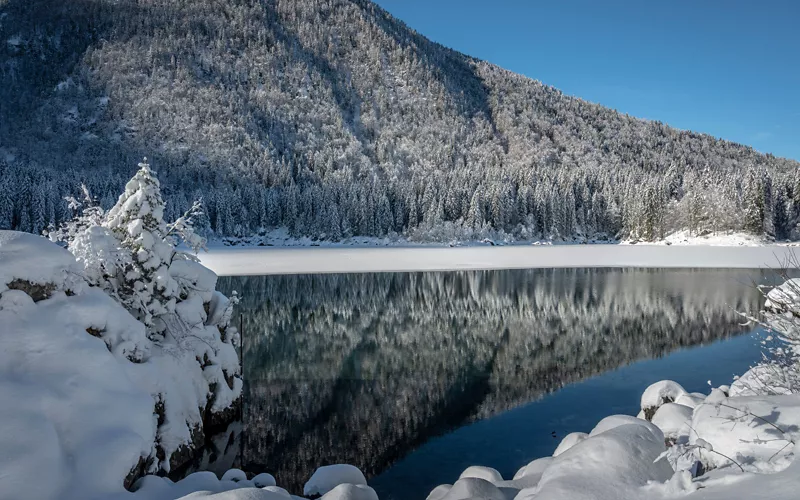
(754,203)
(130,252)
(137,222)
(780,217)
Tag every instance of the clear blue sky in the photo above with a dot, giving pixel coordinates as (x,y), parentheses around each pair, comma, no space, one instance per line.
(730,68)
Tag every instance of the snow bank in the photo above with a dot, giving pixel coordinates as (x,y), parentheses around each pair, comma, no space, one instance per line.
(746,442)
(569,441)
(329,477)
(73,412)
(481,472)
(535,467)
(755,431)
(473,487)
(613,463)
(206,485)
(91,401)
(25,257)
(673,419)
(714,239)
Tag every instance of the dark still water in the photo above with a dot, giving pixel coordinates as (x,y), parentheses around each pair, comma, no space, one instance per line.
(412,377)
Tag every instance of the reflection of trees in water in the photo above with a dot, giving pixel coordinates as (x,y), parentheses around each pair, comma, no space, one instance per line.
(363,368)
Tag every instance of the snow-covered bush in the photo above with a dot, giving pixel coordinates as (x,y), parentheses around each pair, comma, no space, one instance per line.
(779,370)
(132,254)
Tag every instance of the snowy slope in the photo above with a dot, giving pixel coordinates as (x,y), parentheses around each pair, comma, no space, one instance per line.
(72,412)
(90,403)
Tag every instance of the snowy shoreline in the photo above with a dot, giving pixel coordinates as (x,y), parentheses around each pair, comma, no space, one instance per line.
(249,261)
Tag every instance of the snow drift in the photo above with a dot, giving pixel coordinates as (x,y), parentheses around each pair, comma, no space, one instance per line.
(91,403)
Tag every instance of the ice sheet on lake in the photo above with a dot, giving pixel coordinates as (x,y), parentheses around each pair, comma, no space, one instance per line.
(260,261)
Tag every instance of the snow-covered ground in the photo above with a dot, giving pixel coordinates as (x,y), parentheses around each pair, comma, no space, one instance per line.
(719,239)
(729,444)
(241,261)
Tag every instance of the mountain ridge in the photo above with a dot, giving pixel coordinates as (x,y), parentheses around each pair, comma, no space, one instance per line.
(333,118)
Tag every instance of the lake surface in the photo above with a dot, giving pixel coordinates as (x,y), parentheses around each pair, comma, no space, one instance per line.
(412,377)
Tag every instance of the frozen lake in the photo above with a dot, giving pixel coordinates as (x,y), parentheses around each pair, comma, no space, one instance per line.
(414,376)
(233,261)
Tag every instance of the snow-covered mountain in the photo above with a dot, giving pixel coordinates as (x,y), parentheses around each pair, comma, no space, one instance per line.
(363,368)
(332,118)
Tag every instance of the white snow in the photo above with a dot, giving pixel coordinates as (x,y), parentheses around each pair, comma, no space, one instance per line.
(783,296)
(473,487)
(80,379)
(328,477)
(481,472)
(235,261)
(756,381)
(732,429)
(347,491)
(32,258)
(439,492)
(569,441)
(714,239)
(673,419)
(263,480)
(535,467)
(74,420)
(614,421)
(691,399)
(613,463)
(235,475)
(661,392)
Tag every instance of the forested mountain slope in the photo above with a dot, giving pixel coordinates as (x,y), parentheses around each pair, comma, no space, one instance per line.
(332,118)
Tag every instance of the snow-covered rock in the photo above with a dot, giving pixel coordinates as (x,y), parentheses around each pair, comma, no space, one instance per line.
(328,477)
(32,260)
(715,396)
(673,420)
(665,391)
(264,480)
(481,472)
(613,421)
(235,475)
(473,487)
(439,492)
(613,463)
(569,441)
(691,399)
(535,467)
(351,492)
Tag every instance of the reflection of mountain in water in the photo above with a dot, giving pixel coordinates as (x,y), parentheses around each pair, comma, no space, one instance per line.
(363,368)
